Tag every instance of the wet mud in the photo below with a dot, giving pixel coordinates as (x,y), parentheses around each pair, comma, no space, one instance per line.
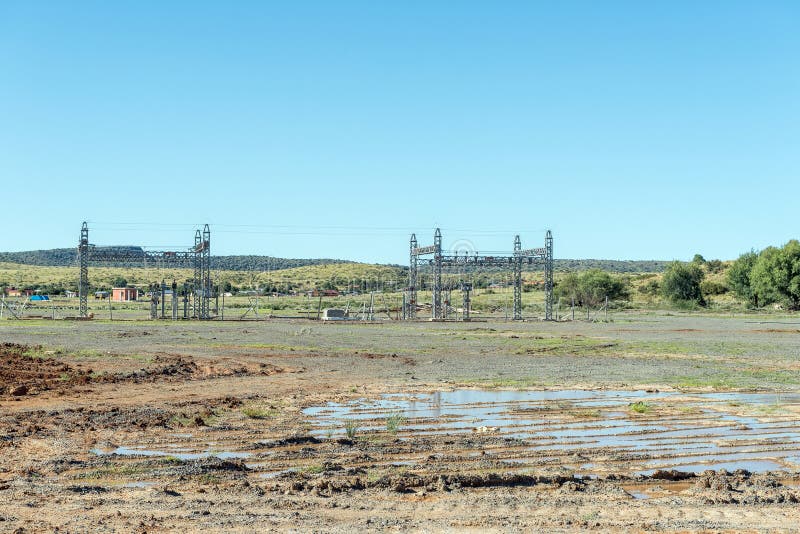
(240,441)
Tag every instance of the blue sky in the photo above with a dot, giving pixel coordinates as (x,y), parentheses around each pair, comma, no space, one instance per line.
(634,130)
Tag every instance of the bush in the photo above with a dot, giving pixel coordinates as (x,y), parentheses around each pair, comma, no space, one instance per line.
(714,266)
(592,287)
(710,287)
(681,282)
(651,287)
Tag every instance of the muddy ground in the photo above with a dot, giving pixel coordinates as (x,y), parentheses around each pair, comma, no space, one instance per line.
(158,426)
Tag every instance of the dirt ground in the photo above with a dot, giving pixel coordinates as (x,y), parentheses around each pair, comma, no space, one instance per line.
(158,426)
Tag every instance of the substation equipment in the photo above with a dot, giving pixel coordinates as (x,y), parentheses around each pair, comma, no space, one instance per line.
(432,256)
(197,292)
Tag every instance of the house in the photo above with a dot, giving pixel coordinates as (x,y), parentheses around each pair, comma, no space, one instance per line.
(124,294)
(324,293)
(16,292)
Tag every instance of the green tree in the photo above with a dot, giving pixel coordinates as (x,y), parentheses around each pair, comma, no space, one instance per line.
(119,282)
(681,282)
(776,275)
(739,277)
(714,266)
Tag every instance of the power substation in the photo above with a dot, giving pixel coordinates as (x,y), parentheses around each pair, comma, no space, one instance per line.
(197,294)
(457,283)
(433,261)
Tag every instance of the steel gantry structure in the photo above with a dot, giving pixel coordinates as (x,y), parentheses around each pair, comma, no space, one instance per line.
(197,257)
(433,256)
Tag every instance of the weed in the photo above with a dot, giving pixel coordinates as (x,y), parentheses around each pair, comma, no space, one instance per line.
(313,469)
(209,478)
(351,428)
(112,470)
(585,413)
(394,422)
(641,407)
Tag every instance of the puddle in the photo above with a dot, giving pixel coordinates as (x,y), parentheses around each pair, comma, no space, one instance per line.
(698,431)
(275,474)
(133,451)
(754,466)
(145,484)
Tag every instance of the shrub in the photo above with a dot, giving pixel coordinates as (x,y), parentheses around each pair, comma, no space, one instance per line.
(394,422)
(681,282)
(592,287)
(710,287)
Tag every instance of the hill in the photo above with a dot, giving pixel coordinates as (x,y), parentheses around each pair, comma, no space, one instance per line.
(64,257)
(614,266)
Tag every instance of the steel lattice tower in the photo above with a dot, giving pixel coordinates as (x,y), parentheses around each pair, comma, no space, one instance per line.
(517,279)
(198,274)
(205,274)
(548,276)
(83,277)
(411,303)
(198,258)
(514,260)
(436,310)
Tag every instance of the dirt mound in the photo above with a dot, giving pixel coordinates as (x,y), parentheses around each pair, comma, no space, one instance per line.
(27,370)
(22,374)
(742,487)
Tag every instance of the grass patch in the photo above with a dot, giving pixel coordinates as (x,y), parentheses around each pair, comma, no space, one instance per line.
(112,470)
(315,469)
(585,413)
(560,346)
(210,479)
(692,382)
(260,412)
(510,383)
(641,407)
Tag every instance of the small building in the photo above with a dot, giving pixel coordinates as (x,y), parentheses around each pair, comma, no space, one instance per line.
(332,314)
(16,292)
(323,293)
(124,294)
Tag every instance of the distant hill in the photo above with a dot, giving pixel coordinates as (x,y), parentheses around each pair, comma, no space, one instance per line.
(62,257)
(616,266)
(55,257)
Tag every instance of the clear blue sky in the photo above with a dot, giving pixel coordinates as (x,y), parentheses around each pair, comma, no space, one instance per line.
(632,129)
